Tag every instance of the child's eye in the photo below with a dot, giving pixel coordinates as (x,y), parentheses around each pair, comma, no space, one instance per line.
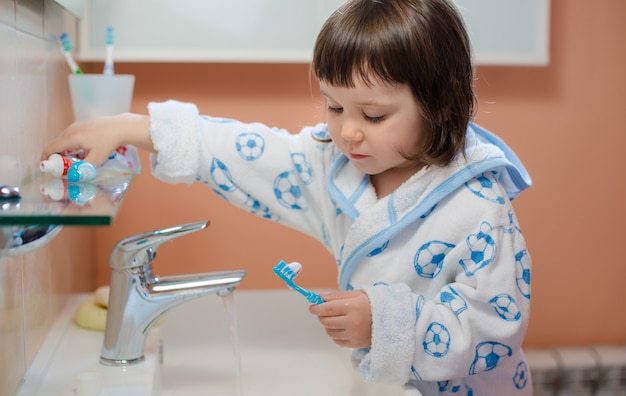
(335,109)
(374,119)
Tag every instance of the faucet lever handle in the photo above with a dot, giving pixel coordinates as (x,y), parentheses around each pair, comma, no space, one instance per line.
(128,249)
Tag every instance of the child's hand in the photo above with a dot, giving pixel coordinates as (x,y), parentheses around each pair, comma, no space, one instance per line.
(347,317)
(99,137)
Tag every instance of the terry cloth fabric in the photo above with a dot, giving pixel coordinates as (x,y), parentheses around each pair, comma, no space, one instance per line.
(173,128)
(442,258)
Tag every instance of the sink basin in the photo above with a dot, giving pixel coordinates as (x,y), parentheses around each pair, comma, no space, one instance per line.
(278,349)
(283,350)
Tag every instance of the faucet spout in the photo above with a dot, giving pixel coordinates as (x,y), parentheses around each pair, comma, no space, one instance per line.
(210,282)
(138,299)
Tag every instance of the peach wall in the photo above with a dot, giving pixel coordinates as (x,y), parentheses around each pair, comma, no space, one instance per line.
(562,120)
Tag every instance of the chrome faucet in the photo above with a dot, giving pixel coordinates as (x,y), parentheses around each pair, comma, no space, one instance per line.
(137,299)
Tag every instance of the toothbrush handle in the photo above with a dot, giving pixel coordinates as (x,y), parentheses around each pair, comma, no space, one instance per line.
(312,297)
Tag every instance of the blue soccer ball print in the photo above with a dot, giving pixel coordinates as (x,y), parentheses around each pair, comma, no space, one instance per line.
(454,388)
(288,192)
(522,272)
(429,258)
(437,340)
(250,146)
(483,186)
(379,249)
(221,176)
(520,379)
(488,355)
(482,250)
(506,307)
(512,227)
(257,208)
(453,300)
(303,167)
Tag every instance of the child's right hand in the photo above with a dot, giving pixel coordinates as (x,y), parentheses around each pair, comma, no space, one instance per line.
(347,318)
(99,137)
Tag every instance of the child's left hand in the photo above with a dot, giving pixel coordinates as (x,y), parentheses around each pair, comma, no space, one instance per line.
(347,318)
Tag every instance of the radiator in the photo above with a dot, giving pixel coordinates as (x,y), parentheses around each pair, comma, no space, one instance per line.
(584,371)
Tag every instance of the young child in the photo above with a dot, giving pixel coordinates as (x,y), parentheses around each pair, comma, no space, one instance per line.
(411,198)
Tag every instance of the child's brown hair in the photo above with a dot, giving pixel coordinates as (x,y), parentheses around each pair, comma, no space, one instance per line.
(421,43)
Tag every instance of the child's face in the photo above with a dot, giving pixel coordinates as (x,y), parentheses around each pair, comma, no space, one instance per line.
(372,124)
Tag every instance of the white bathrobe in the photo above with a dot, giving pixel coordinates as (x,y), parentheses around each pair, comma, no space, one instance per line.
(442,259)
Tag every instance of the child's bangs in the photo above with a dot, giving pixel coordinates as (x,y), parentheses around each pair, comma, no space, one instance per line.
(353,50)
(340,65)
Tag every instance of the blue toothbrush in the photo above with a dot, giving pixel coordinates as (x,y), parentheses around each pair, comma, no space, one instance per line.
(287,272)
(108,62)
(66,47)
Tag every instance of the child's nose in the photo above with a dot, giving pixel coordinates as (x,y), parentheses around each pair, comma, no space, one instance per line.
(350,131)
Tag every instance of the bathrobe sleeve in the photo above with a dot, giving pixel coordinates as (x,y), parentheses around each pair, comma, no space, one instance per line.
(460,305)
(266,171)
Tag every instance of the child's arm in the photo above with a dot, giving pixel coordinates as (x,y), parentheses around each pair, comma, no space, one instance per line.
(263,170)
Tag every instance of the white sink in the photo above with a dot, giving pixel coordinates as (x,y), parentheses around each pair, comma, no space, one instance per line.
(283,350)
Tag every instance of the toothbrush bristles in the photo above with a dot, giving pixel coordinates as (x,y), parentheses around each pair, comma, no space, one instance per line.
(109,35)
(288,271)
(295,267)
(66,43)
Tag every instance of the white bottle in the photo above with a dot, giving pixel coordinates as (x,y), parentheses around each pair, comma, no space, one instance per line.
(74,169)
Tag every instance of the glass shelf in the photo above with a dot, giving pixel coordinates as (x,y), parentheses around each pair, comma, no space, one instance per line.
(48,200)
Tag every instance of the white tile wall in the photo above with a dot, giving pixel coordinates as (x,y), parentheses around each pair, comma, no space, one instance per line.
(34,107)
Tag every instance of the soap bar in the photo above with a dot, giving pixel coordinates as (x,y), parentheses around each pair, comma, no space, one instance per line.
(91,315)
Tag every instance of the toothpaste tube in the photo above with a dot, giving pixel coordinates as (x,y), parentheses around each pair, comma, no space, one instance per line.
(124,158)
(74,168)
(81,171)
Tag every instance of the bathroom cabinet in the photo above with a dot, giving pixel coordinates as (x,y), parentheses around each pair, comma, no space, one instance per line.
(503,32)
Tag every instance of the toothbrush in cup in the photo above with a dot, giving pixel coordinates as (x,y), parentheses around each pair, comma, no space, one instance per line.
(287,272)
(66,47)
(108,62)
